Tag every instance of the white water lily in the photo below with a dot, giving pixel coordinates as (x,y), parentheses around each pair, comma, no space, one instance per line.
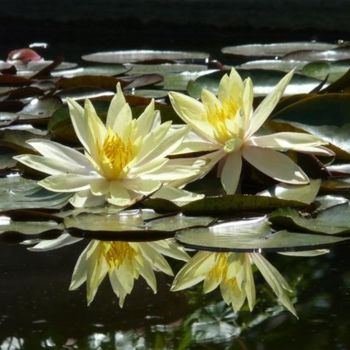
(124,262)
(233,273)
(227,125)
(124,160)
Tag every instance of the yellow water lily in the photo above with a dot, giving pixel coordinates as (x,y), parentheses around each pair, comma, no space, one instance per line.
(233,273)
(227,126)
(123,161)
(124,262)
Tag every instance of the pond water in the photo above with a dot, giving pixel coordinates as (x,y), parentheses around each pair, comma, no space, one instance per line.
(38,312)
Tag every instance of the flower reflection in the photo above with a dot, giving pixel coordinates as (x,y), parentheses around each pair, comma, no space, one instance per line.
(233,273)
(124,262)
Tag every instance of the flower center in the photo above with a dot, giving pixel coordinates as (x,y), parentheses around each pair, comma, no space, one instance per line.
(117,253)
(220,269)
(222,118)
(115,155)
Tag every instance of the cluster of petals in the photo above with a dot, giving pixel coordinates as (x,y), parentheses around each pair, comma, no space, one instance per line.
(228,126)
(124,262)
(232,272)
(124,159)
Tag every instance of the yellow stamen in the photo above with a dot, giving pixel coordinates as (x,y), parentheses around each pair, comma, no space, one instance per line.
(115,154)
(117,253)
(219,116)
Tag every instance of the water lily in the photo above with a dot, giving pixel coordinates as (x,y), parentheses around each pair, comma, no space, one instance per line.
(227,125)
(233,273)
(123,161)
(124,262)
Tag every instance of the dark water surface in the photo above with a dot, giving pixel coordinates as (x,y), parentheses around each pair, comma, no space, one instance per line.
(38,312)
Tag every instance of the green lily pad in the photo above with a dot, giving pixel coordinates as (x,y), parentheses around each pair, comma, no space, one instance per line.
(165,68)
(283,66)
(132,56)
(328,201)
(302,193)
(19,193)
(233,236)
(83,93)
(226,205)
(333,221)
(156,94)
(326,116)
(274,49)
(131,225)
(342,53)
(323,69)
(100,70)
(21,230)
(6,159)
(264,82)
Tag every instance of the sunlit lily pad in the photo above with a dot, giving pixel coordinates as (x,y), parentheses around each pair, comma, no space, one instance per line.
(264,82)
(342,53)
(131,225)
(101,70)
(284,66)
(19,193)
(257,237)
(334,220)
(223,205)
(19,230)
(131,56)
(275,49)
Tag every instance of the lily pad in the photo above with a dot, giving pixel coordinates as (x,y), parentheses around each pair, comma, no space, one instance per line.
(131,225)
(19,193)
(100,70)
(323,69)
(334,220)
(274,49)
(326,116)
(131,56)
(264,82)
(283,66)
(342,53)
(226,205)
(21,230)
(234,237)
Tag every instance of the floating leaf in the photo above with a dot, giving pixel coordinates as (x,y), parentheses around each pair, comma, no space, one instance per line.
(284,66)
(226,205)
(11,231)
(95,81)
(328,201)
(274,49)
(264,82)
(326,116)
(342,53)
(99,70)
(131,56)
(6,159)
(130,225)
(334,220)
(82,93)
(302,193)
(156,94)
(19,193)
(234,236)
(323,69)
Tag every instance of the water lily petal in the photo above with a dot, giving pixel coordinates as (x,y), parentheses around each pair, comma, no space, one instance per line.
(247,101)
(64,183)
(231,171)
(275,164)
(52,244)
(230,87)
(79,273)
(119,195)
(58,152)
(193,113)
(85,199)
(144,187)
(80,126)
(117,103)
(145,121)
(268,104)
(178,196)
(275,280)
(169,247)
